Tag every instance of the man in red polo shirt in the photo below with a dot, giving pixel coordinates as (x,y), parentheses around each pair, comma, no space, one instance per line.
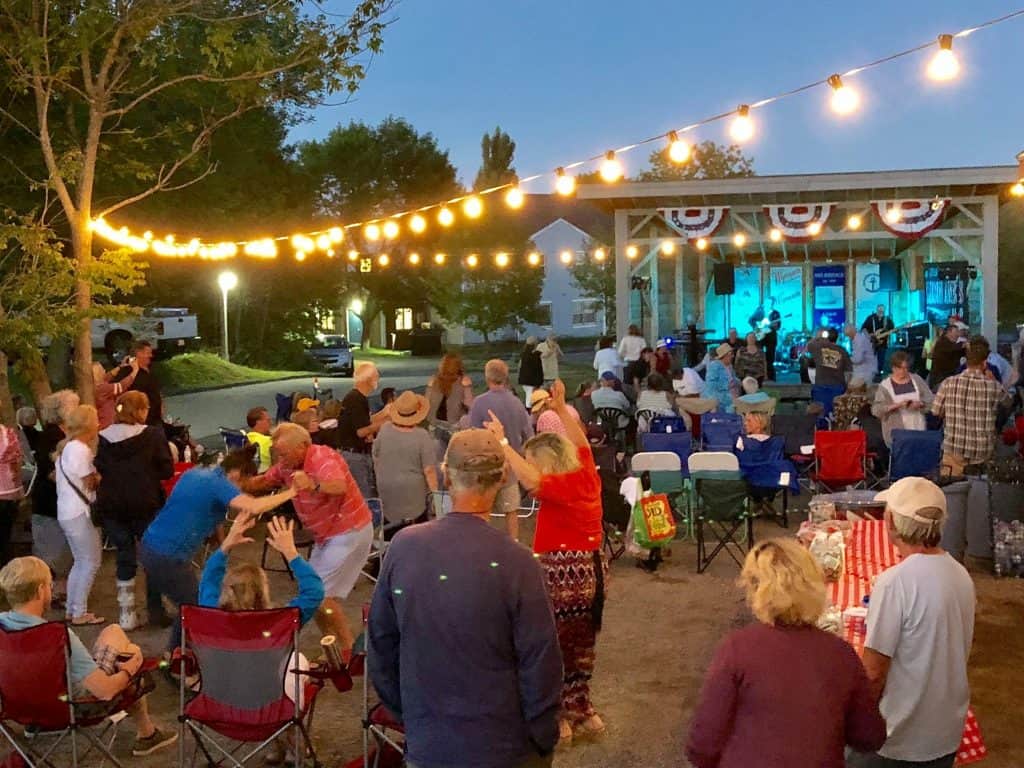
(331,507)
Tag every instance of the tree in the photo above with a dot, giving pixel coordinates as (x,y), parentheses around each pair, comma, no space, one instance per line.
(708,160)
(142,88)
(361,172)
(596,280)
(497,150)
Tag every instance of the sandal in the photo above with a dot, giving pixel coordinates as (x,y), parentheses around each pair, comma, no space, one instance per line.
(564,735)
(593,726)
(86,620)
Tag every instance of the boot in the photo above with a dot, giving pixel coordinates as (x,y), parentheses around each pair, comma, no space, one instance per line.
(128,619)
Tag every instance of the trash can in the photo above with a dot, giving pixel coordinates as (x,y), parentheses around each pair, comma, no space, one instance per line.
(426,342)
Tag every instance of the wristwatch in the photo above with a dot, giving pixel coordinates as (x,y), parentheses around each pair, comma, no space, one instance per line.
(503,442)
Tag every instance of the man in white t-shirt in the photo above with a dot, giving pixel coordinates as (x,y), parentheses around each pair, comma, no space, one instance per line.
(920,628)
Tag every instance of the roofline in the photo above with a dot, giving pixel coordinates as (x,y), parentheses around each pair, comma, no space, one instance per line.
(550,224)
(815,182)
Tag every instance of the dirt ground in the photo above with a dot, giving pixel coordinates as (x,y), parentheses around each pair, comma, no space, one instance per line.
(659,633)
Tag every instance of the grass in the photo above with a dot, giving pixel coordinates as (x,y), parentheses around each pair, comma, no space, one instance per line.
(202,369)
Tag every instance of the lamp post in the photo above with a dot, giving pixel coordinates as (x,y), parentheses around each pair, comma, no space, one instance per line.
(227,281)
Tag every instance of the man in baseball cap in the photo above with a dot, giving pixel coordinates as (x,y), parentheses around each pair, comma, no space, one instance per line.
(458,588)
(920,628)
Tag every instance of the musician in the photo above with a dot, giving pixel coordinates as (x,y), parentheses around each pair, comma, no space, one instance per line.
(879,327)
(771,339)
(862,354)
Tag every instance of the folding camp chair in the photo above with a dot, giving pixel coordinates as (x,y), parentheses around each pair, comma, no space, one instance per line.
(284,407)
(840,460)
(612,420)
(666,472)
(233,438)
(768,473)
(381,730)
(826,394)
(720,496)
(797,432)
(719,431)
(303,543)
(614,509)
(915,453)
(251,690)
(35,678)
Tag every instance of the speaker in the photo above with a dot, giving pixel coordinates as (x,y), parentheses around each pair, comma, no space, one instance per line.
(725,279)
(889,276)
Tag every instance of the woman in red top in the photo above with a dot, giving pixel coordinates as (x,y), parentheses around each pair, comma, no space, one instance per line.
(561,474)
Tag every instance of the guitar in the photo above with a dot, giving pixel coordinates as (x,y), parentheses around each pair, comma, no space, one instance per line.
(880,336)
(766,326)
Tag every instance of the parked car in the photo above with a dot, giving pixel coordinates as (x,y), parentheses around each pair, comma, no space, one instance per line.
(333,353)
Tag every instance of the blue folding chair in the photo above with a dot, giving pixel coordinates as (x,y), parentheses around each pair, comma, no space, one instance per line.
(679,443)
(767,472)
(233,438)
(915,453)
(284,407)
(826,394)
(719,431)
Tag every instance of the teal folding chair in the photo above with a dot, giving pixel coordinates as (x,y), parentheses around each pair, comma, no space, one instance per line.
(720,507)
(666,473)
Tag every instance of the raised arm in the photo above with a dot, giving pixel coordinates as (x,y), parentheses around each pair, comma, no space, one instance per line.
(526,473)
(573,428)
(257,506)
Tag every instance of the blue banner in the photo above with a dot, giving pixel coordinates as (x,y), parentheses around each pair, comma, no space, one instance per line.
(829,296)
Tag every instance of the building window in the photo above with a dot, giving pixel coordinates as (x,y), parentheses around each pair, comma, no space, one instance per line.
(544,314)
(403,319)
(325,321)
(584,312)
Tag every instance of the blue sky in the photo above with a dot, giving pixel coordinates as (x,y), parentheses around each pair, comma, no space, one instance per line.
(571,78)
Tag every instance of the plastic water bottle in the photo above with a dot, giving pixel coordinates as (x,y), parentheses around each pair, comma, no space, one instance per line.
(188,454)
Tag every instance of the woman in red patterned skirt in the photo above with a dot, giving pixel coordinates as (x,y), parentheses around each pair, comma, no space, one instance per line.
(561,474)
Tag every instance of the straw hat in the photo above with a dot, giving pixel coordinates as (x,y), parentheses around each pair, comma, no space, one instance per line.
(722,350)
(538,398)
(409,409)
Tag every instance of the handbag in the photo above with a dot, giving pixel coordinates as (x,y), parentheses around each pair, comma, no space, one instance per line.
(90,505)
(653,523)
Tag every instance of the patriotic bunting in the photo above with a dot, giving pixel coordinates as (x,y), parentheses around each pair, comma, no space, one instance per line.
(916,217)
(799,223)
(694,223)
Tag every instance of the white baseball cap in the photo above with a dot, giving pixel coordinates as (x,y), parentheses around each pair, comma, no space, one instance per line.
(905,497)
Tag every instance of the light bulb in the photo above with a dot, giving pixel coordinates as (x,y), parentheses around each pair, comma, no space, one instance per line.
(501,260)
(814,228)
(853,222)
(1017,190)
(353,255)
(417,224)
(702,244)
(678,149)
(372,232)
(390,229)
(323,242)
(300,255)
(445,217)
(739,239)
(844,98)
(383,259)
(514,198)
(611,168)
(439,258)
(414,259)
(775,235)
(565,256)
(565,184)
(893,215)
(473,206)
(599,254)
(742,127)
(667,247)
(632,251)
(944,65)
(337,234)
(533,259)
(472,260)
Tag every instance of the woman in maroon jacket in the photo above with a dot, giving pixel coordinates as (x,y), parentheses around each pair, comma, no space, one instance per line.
(781,691)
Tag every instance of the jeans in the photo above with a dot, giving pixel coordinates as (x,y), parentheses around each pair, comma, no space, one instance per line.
(125,536)
(86,548)
(361,467)
(860,760)
(172,578)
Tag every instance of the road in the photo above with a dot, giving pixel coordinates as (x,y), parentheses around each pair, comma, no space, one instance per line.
(206,412)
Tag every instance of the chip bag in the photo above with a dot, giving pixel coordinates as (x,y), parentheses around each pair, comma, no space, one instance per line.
(653,523)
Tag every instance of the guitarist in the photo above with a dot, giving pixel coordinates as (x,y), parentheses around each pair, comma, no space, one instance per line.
(879,328)
(771,339)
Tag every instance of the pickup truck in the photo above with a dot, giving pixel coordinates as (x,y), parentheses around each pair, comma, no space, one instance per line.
(171,330)
(333,353)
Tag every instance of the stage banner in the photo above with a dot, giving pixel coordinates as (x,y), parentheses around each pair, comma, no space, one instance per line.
(867,294)
(799,223)
(786,287)
(909,219)
(945,291)
(694,223)
(745,302)
(829,296)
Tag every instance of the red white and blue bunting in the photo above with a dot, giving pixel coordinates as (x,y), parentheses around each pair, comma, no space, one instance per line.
(694,223)
(799,223)
(916,217)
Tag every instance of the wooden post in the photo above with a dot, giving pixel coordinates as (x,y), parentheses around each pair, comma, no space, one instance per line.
(990,268)
(622,273)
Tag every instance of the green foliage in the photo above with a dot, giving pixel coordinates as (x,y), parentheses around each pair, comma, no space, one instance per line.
(202,369)
(708,160)
(596,280)
(497,150)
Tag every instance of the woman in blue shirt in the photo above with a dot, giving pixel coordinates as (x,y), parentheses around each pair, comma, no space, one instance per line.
(720,382)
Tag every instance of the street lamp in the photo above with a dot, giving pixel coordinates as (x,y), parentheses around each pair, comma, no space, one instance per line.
(227,281)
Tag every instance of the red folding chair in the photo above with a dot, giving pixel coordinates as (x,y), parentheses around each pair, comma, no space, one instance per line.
(383,733)
(250,690)
(840,460)
(35,678)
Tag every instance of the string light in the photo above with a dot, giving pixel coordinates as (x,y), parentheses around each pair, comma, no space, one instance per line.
(667,248)
(534,259)
(853,222)
(742,127)
(632,251)
(261,249)
(383,259)
(501,260)
(473,207)
(893,215)
(844,98)
(353,255)
(299,243)
(514,198)
(417,224)
(814,228)
(440,258)
(678,149)
(372,232)
(323,243)
(300,255)
(775,235)
(414,259)
(739,239)
(390,229)
(599,254)
(1017,190)
(565,184)
(944,65)
(565,256)
(445,217)
(472,260)
(336,234)
(611,168)
(702,244)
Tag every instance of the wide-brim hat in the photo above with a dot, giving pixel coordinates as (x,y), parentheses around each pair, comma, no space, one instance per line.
(409,409)
(537,399)
(722,350)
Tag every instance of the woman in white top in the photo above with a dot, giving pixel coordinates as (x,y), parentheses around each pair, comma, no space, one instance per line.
(77,481)
(902,399)
(607,359)
(656,398)
(632,345)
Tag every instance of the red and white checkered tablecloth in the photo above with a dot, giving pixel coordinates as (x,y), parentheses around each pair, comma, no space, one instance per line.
(868,553)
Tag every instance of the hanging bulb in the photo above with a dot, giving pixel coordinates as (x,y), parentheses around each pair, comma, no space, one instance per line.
(853,222)
(742,127)
(739,239)
(702,244)
(473,206)
(632,251)
(417,224)
(300,255)
(372,232)
(611,168)
(893,215)
(514,198)
(445,217)
(472,260)
(414,259)
(565,256)
(599,254)
(667,248)
(1017,190)
(353,255)
(814,228)
(501,260)
(533,259)
(775,235)
(844,98)
(390,230)
(439,258)
(383,259)
(565,184)
(678,149)
(944,65)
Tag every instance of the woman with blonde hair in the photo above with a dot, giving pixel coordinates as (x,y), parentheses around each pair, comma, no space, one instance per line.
(77,481)
(560,472)
(781,691)
(132,459)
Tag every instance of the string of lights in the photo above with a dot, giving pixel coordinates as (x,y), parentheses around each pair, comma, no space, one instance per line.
(943,66)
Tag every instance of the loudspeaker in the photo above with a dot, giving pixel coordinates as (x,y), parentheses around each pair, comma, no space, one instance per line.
(725,279)
(889,276)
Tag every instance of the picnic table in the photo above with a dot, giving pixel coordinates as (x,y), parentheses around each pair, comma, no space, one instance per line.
(869,552)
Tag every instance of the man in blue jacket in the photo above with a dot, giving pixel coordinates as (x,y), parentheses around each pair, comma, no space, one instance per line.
(463,646)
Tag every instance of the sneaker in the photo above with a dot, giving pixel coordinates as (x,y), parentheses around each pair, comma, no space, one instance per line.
(156,740)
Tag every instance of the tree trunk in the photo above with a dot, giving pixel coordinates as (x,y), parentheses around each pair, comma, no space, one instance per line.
(58,363)
(35,376)
(6,405)
(81,244)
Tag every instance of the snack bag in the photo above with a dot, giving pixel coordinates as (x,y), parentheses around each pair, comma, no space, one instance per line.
(653,524)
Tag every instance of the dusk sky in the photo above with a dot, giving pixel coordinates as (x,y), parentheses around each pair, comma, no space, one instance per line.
(571,78)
